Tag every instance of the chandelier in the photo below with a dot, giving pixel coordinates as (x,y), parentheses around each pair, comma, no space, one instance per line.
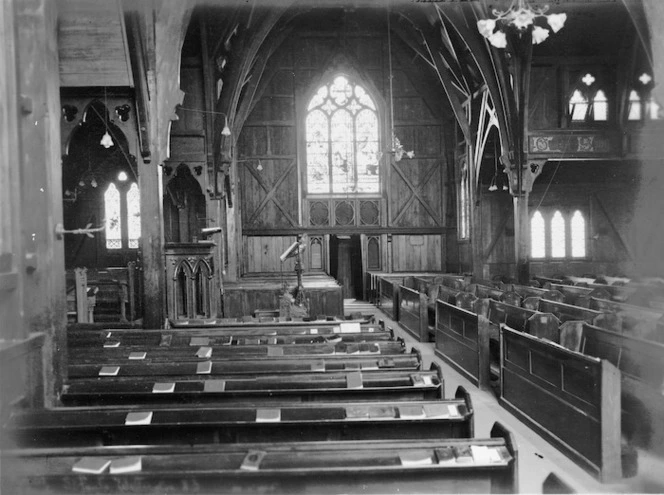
(520,16)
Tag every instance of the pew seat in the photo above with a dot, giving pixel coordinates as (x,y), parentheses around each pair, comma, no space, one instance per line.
(70,427)
(351,386)
(375,466)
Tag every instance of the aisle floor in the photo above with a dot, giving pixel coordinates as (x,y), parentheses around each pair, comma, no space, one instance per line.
(537,458)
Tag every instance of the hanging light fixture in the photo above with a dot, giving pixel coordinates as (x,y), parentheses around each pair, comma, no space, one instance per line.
(106,140)
(520,16)
(226,131)
(397,148)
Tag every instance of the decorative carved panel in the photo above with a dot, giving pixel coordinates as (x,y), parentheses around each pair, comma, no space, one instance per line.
(344,213)
(370,212)
(319,213)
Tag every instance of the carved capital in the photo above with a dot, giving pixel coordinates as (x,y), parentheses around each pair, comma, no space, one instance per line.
(529,172)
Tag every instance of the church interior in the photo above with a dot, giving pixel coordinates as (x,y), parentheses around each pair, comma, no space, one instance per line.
(335,246)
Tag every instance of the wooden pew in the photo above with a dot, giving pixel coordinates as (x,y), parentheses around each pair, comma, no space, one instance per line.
(388,298)
(77,427)
(636,321)
(580,296)
(180,365)
(570,399)
(377,466)
(555,484)
(233,337)
(462,341)
(464,338)
(343,386)
(641,363)
(413,313)
(226,351)
(564,312)
(249,321)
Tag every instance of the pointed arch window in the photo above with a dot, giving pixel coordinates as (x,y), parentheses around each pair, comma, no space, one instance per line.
(122,212)
(537,236)
(641,104)
(342,143)
(588,101)
(559,233)
(578,235)
(464,202)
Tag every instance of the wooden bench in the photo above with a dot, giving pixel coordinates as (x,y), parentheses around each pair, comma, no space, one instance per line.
(180,365)
(570,399)
(77,427)
(354,386)
(636,321)
(388,298)
(253,336)
(641,363)
(377,466)
(249,321)
(413,313)
(464,338)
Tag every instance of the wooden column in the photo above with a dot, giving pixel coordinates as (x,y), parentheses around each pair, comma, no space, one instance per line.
(522,237)
(42,264)
(164,45)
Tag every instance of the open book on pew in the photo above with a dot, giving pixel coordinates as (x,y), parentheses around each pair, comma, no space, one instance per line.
(416,458)
(130,464)
(138,418)
(91,465)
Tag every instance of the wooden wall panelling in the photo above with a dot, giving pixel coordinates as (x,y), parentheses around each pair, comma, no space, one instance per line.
(92,44)
(544,109)
(262,254)
(42,251)
(413,253)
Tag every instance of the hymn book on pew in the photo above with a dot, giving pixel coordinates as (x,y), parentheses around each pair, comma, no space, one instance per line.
(421,380)
(268,415)
(350,327)
(131,464)
(445,456)
(416,458)
(318,365)
(252,461)
(382,412)
(163,388)
(138,418)
(204,352)
(137,355)
(354,380)
(112,344)
(212,386)
(91,465)
(411,412)
(204,368)
(199,341)
(357,412)
(109,371)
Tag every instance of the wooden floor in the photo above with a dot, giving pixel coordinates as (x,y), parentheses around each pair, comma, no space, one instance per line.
(537,458)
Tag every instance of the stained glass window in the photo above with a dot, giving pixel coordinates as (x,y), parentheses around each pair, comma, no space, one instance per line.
(113,217)
(578,235)
(557,235)
(133,216)
(537,236)
(342,140)
(122,210)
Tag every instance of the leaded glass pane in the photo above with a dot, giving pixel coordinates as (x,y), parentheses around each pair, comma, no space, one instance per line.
(318,172)
(537,237)
(364,98)
(578,106)
(113,219)
(342,139)
(341,91)
(343,178)
(634,106)
(558,235)
(578,235)
(134,215)
(653,109)
(600,106)
(318,98)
